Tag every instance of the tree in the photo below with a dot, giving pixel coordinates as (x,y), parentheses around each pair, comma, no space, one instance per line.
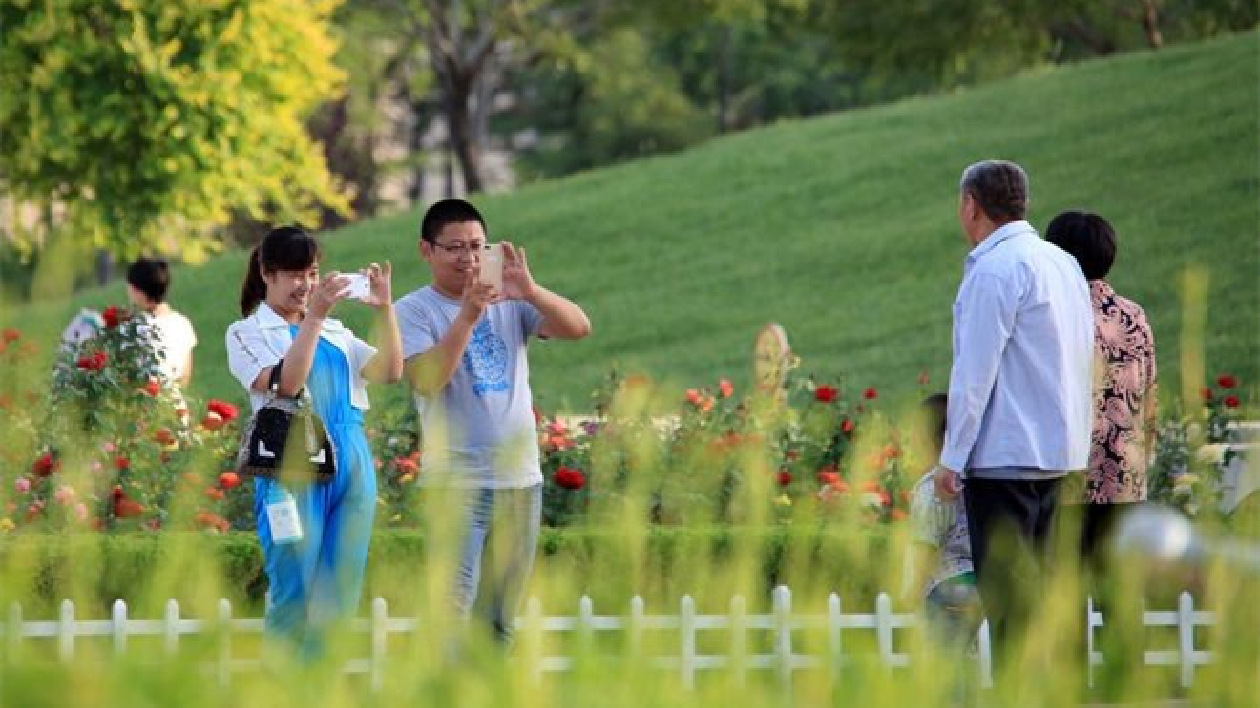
(139,126)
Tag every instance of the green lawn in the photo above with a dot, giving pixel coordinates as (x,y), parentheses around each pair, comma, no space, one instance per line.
(843,229)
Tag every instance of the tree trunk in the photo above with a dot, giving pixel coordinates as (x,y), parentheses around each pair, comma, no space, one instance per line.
(1150,23)
(462,132)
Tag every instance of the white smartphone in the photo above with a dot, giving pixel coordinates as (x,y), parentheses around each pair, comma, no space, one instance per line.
(492,266)
(360,287)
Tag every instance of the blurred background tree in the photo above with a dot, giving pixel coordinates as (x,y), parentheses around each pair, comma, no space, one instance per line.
(135,126)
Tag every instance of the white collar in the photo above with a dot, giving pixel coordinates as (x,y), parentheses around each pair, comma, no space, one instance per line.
(268,319)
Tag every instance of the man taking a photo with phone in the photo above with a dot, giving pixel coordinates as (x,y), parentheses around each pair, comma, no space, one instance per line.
(464,341)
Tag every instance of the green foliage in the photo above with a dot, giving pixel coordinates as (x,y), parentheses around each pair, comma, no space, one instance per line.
(843,229)
(130,562)
(146,123)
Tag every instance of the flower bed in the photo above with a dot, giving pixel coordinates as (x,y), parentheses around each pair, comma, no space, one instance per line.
(111,446)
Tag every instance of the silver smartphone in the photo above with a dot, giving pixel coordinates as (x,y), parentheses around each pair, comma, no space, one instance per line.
(359,287)
(492,266)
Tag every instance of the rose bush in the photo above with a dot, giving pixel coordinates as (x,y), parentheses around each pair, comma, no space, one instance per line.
(109,445)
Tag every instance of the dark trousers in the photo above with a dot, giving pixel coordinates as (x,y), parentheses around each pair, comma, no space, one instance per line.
(1011,526)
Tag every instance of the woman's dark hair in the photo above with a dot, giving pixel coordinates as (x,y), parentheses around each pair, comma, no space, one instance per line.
(448,211)
(283,248)
(1088,237)
(151,277)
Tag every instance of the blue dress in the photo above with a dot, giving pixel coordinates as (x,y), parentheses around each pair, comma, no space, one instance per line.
(319,579)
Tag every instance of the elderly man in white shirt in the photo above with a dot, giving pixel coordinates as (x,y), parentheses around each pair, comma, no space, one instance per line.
(1020,414)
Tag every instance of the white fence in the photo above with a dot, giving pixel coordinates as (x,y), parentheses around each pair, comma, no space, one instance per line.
(784,658)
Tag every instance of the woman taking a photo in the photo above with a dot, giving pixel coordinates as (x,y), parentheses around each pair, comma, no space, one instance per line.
(315,567)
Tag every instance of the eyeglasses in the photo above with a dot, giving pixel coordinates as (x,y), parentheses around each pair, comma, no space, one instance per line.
(458,247)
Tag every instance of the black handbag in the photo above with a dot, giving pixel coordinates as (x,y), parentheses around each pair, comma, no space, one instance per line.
(286,440)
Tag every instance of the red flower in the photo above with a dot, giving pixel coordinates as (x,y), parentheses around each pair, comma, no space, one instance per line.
(11,335)
(570,478)
(228,480)
(1207,395)
(163,436)
(45,464)
(825,394)
(125,508)
(785,478)
(828,476)
(1231,401)
(212,421)
(847,426)
(112,315)
(226,411)
(726,388)
(406,465)
(121,463)
(93,362)
(1226,381)
(870,394)
(153,387)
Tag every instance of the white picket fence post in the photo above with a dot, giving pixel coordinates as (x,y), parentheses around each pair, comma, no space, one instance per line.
(687,630)
(782,607)
(380,642)
(739,639)
(170,627)
(225,642)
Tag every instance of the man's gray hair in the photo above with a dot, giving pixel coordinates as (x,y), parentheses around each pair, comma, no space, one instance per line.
(1000,187)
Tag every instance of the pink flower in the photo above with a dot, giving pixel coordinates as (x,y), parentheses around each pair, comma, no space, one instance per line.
(22,485)
(726,388)
(80,511)
(64,495)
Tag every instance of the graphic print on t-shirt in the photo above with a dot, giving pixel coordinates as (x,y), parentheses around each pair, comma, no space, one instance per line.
(486,359)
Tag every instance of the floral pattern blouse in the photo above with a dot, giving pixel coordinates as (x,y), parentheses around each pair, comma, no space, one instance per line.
(1124,399)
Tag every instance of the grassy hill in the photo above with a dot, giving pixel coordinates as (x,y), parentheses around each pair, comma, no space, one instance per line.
(843,229)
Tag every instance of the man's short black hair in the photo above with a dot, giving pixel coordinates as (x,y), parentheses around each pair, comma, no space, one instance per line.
(1088,237)
(448,211)
(151,277)
(1000,187)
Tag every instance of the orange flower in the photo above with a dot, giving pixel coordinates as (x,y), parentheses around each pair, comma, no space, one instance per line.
(215,493)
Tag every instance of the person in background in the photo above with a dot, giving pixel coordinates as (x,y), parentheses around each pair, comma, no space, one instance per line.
(174,337)
(314,568)
(941,548)
(1125,405)
(1020,394)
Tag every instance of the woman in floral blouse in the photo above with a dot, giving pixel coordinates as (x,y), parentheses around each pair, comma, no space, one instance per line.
(1124,381)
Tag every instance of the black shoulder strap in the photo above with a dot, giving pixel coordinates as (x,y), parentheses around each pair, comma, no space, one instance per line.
(273,382)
